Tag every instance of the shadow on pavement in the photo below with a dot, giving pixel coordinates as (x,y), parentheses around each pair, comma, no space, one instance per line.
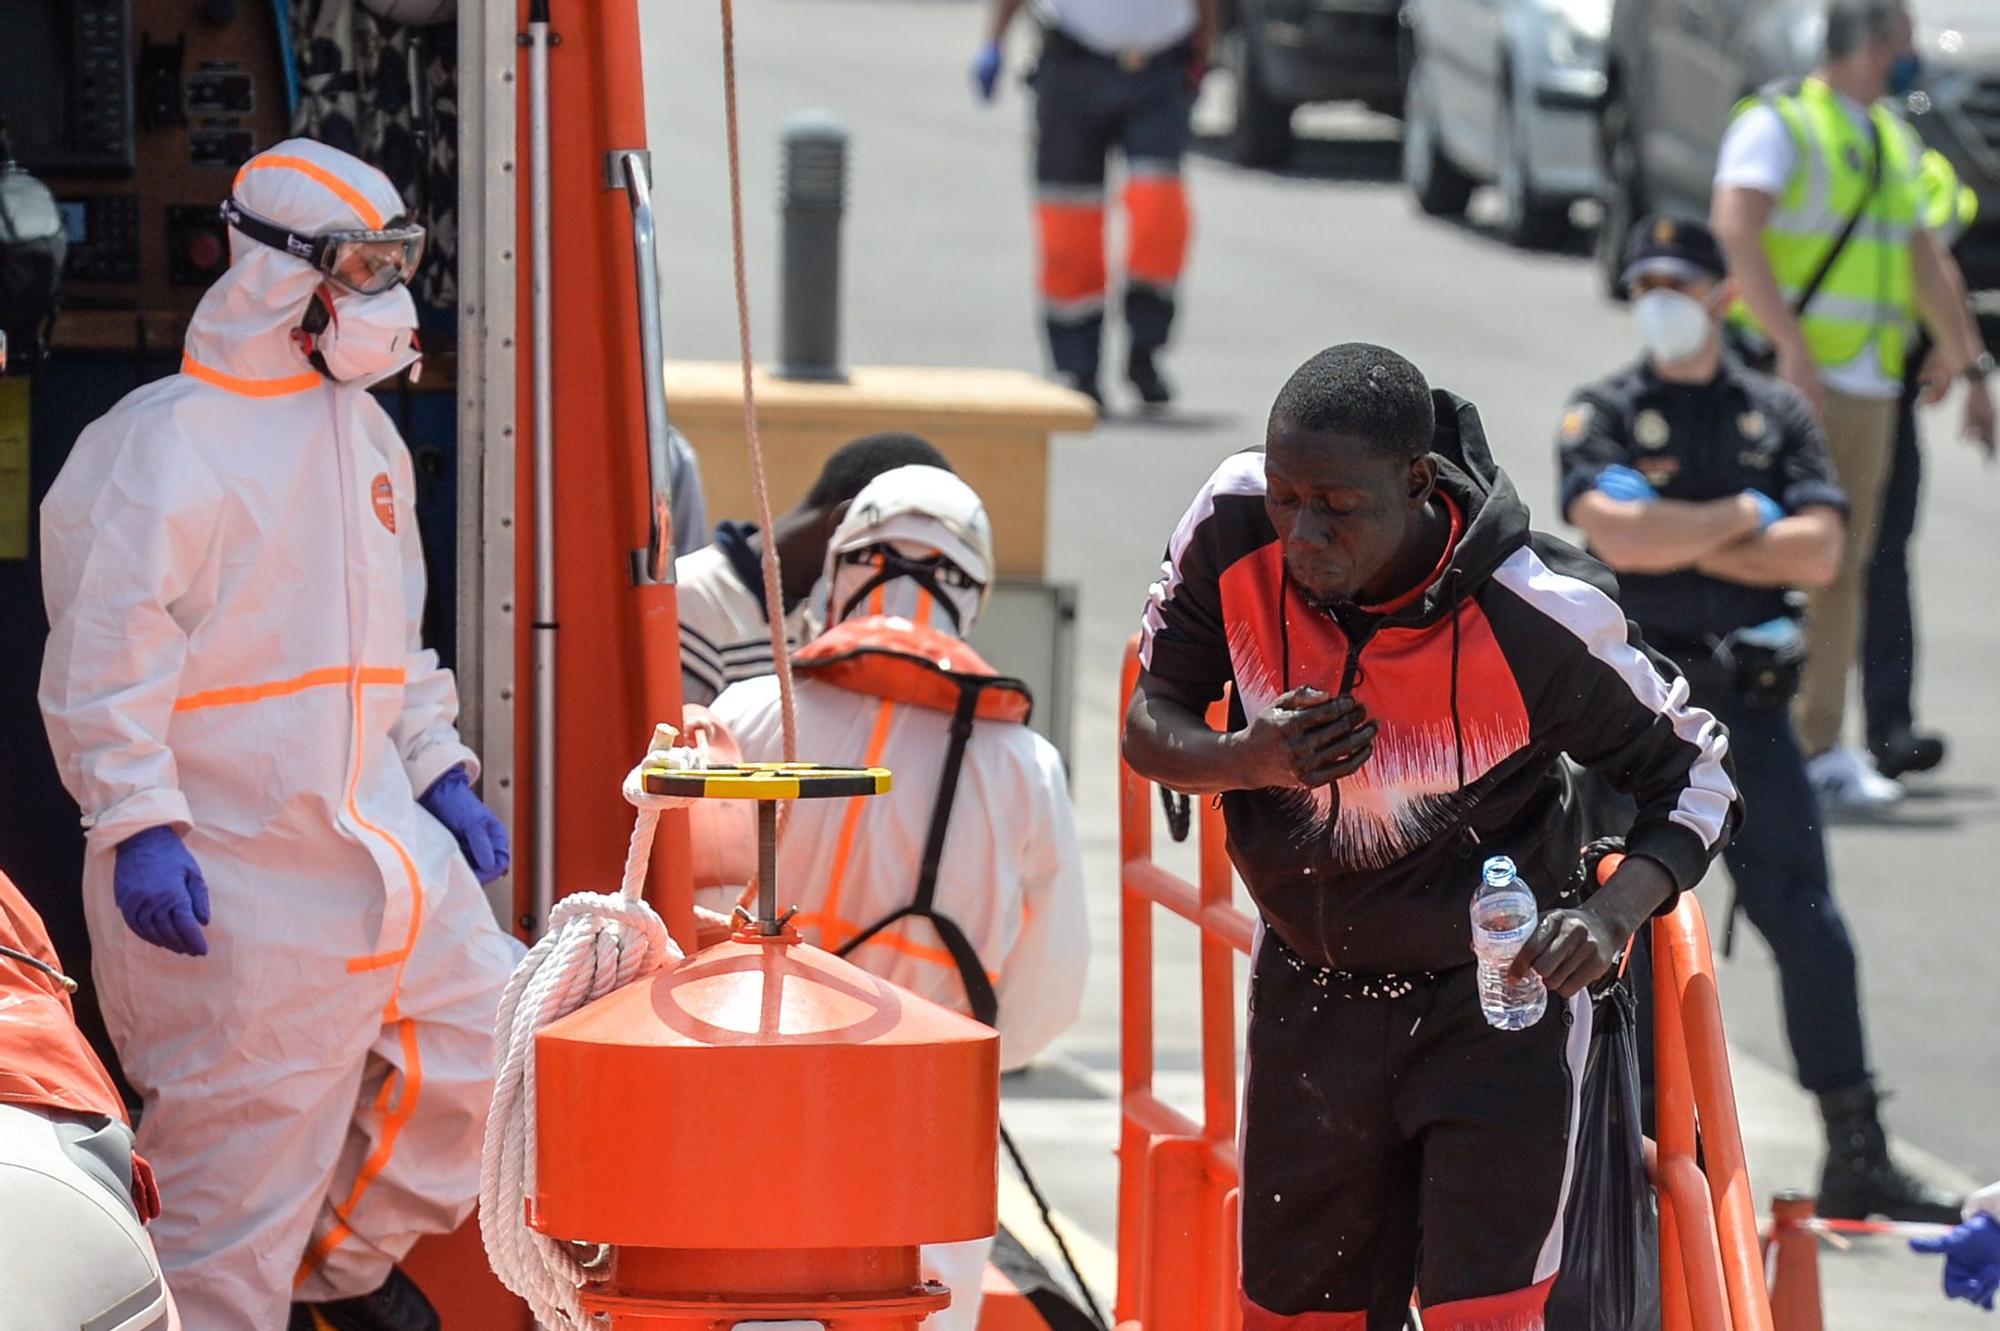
(1351,160)
(1168,422)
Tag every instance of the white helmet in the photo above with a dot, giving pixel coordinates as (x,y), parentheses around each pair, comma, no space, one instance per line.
(917,524)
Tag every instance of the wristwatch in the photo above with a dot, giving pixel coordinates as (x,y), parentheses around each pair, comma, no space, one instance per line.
(1976,372)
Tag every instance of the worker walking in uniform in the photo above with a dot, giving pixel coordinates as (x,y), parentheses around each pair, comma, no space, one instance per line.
(1709,489)
(1818,207)
(964,883)
(1888,639)
(296,961)
(1113,74)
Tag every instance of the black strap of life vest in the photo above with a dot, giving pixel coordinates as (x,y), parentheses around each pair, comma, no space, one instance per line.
(979,993)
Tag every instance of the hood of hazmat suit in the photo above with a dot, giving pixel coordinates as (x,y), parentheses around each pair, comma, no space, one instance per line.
(915,544)
(235,593)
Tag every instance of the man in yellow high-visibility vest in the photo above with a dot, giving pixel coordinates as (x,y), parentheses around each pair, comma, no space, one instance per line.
(1796,166)
(1888,640)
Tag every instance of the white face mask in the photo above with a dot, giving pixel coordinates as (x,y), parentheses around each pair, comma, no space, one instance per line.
(370,336)
(1675,326)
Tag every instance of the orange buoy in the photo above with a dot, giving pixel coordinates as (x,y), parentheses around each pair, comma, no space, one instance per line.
(765,1133)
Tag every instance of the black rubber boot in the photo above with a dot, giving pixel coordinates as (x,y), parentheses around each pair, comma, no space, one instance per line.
(1152,386)
(398,1305)
(1859,1180)
(1086,384)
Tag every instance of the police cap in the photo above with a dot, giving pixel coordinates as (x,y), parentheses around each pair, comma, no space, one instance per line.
(1676,247)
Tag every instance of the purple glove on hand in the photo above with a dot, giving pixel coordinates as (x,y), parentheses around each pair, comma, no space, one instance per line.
(1971,1259)
(160,891)
(986,70)
(480,835)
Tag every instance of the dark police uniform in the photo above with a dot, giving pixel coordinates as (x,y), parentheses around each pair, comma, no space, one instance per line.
(1699,442)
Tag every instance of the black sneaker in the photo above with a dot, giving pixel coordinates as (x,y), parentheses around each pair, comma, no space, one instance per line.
(1145,375)
(397,1306)
(1906,751)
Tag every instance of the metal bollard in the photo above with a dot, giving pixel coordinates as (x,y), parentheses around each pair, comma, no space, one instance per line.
(814,195)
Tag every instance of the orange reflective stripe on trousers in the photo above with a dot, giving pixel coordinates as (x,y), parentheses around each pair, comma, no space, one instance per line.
(1072,237)
(1158,211)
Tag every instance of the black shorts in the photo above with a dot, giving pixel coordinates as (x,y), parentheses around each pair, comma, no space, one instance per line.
(1369,1122)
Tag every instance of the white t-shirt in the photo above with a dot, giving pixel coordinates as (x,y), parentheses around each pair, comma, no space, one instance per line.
(1758,153)
(1116,27)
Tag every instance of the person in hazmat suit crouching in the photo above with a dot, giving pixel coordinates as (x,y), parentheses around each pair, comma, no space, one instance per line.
(964,884)
(295,959)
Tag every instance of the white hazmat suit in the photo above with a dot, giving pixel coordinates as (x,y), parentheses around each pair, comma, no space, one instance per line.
(235,589)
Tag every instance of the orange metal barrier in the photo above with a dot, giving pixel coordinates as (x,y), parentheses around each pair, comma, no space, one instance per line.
(1177,1178)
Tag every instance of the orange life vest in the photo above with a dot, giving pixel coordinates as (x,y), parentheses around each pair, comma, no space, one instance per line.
(887,657)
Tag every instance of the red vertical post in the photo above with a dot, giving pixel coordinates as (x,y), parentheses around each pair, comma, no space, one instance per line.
(1795,1290)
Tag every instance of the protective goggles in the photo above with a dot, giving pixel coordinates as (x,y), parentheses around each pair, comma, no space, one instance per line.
(366,262)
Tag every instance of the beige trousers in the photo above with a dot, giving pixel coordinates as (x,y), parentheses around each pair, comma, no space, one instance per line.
(1861,435)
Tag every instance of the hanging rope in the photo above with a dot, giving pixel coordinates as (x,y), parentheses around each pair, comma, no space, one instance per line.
(774,595)
(596,942)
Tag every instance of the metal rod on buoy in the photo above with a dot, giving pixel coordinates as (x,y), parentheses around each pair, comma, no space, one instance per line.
(768,923)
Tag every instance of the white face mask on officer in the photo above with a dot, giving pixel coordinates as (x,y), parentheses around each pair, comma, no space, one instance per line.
(1674,325)
(362,337)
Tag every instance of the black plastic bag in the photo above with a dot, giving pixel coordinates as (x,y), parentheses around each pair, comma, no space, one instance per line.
(1610,1277)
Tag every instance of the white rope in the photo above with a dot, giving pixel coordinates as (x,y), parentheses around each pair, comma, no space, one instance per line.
(596,943)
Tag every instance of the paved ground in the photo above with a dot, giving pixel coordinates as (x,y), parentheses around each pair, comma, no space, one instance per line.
(938,257)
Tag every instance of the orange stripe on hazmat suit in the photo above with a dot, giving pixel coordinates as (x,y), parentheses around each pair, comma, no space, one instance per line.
(236,653)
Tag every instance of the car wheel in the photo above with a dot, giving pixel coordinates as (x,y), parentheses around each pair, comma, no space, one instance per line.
(1622,204)
(1527,219)
(1260,133)
(1440,188)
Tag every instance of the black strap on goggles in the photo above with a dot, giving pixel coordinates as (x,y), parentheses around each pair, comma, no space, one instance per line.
(891,564)
(315,250)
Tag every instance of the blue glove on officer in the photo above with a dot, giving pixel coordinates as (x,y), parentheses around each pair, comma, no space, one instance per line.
(1625,483)
(480,835)
(986,70)
(160,891)
(1769,510)
(1971,1259)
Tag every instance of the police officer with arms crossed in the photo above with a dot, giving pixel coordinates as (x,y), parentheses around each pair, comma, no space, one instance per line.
(1113,73)
(1708,488)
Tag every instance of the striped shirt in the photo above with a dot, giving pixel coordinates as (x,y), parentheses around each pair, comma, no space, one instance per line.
(724,635)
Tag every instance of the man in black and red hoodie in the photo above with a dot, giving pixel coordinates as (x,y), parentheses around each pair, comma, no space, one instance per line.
(1408,663)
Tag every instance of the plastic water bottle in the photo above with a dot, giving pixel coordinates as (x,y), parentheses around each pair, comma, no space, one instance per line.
(1504,917)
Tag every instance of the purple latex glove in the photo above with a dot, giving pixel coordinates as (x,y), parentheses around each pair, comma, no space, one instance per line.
(1971,1259)
(480,835)
(986,70)
(160,891)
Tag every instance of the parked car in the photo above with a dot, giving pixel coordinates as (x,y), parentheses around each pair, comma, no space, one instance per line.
(1678,67)
(1283,54)
(1505,92)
